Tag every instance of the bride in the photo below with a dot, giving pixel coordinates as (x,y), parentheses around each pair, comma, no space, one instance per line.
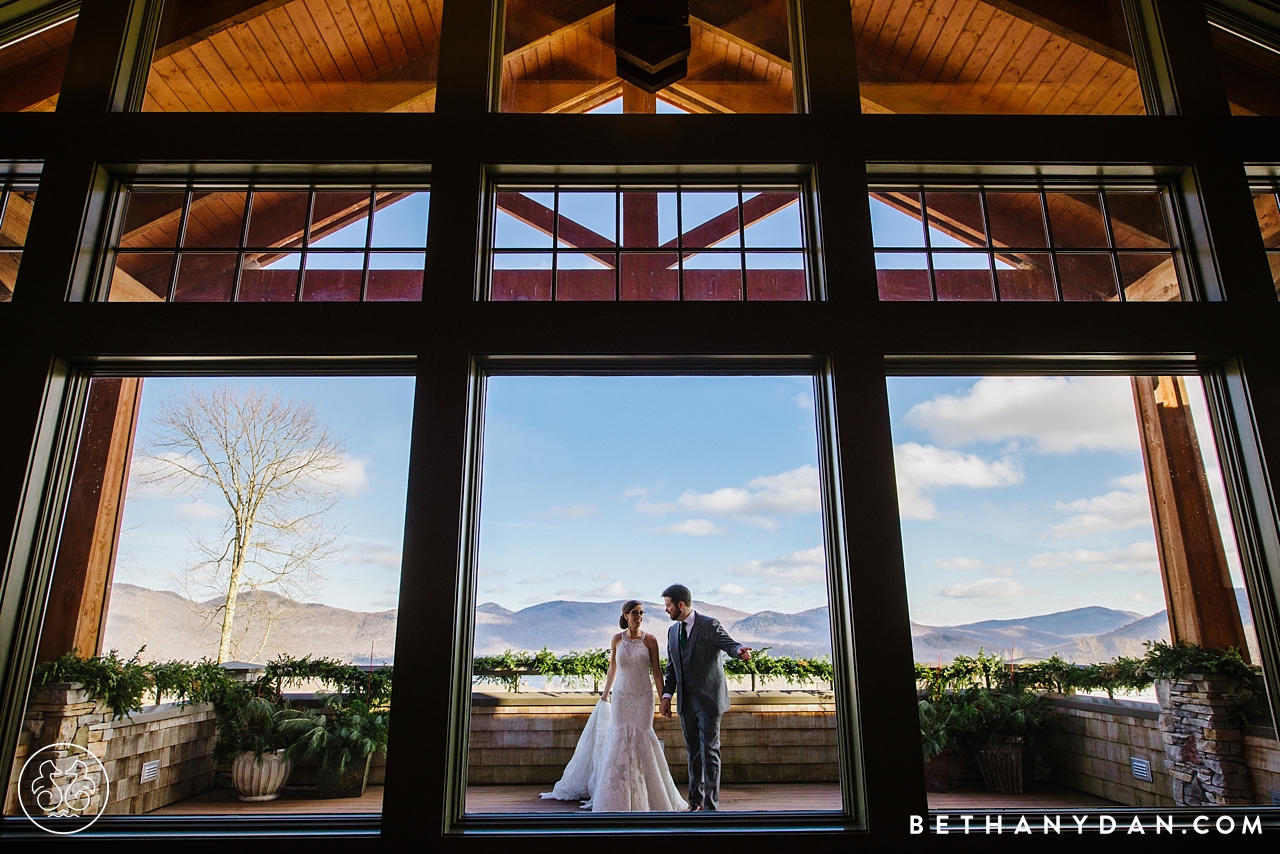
(618,763)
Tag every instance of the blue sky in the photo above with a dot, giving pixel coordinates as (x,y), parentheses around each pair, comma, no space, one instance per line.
(1019,496)
(1026,495)
(372,413)
(601,488)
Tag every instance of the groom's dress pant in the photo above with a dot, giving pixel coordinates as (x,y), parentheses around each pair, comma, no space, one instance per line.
(702,738)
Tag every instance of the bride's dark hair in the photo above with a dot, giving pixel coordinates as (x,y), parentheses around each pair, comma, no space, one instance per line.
(626,607)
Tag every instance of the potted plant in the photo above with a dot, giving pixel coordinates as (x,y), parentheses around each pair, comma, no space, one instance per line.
(344,738)
(253,737)
(933,741)
(998,727)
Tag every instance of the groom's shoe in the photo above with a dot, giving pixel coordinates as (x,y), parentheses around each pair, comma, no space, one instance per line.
(694,808)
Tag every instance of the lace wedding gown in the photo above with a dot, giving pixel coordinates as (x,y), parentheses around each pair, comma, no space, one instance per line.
(618,763)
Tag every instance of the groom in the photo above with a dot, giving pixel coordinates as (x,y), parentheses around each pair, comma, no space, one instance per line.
(694,644)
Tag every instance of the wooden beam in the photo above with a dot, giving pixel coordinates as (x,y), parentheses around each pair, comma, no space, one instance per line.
(76,614)
(1193,562)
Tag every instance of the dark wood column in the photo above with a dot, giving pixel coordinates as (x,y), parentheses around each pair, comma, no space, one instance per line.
(75,616)
(1193,562)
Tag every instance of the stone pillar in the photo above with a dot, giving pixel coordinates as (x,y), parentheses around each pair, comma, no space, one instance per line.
(1203,744)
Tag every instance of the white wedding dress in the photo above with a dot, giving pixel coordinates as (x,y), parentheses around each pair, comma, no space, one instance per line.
(618,764)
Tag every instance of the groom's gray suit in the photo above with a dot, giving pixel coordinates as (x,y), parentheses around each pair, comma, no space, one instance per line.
(696,678)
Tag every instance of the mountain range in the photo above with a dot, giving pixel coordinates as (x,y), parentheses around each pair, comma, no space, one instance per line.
(173,627)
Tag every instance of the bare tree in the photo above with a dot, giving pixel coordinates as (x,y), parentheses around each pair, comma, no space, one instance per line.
(273,467)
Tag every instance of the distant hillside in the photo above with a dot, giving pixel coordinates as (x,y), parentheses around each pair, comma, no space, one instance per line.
(173,627)
(1082,634)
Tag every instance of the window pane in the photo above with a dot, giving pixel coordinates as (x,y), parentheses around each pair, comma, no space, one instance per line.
(588,220)
(772,220)
(552,456)
(963,276)
(205,277)
(142,276)
(1037,58)
(1149,277)
(278,218)
(210,609)
(400,221)
(395,276)
(1137,220)
(586,277)
(713,276)
(214,221)
(1025,277)
(521,277)
(297,56)
(709,219)
(955,219)
(650,276)
(1017,219)
(775,276)
(31,67)
(524,220)
(566,58)
(1041,556)
(1264,204)
(903,276)
(333,276)
(896,220)
(1250,74)
(1086,277)
(649,219)
(16,203)
(340,220)
(1075,219)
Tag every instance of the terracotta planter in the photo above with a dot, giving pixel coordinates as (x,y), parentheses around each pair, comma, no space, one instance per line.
(349,784)
(260,778)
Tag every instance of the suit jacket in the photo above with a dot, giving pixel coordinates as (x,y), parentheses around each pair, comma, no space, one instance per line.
(697,674)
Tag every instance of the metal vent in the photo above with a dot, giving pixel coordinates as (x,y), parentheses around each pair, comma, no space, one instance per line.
(1141,768)
(150,770)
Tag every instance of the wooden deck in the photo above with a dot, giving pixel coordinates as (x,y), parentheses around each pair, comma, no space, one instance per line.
(293,800)
(740,797)
(1044,796)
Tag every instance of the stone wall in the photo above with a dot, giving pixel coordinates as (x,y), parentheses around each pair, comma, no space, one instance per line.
(1091,749)
(1204,747)
(767,736)
(180,738)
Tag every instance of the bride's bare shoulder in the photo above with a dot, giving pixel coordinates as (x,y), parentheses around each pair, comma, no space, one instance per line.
(650,640)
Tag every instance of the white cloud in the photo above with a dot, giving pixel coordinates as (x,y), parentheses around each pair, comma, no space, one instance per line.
(1138,557)
(377,554)
(644,505)
(986,588)
(961,563)
(1118,510)
(692,528)
(501,588)
(731,590)
(1059,415)
(199,510)
(488,573)
(807,566)
(922,468)
(572,573)
(804,401)
(790,493)
(351,478)
(535,579)
(573,511)
(600,576)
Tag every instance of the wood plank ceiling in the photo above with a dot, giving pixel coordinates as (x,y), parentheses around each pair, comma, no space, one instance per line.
(995,56)
(558,57)
(298,55)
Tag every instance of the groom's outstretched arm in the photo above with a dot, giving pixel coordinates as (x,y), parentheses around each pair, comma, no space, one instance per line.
(731,647)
